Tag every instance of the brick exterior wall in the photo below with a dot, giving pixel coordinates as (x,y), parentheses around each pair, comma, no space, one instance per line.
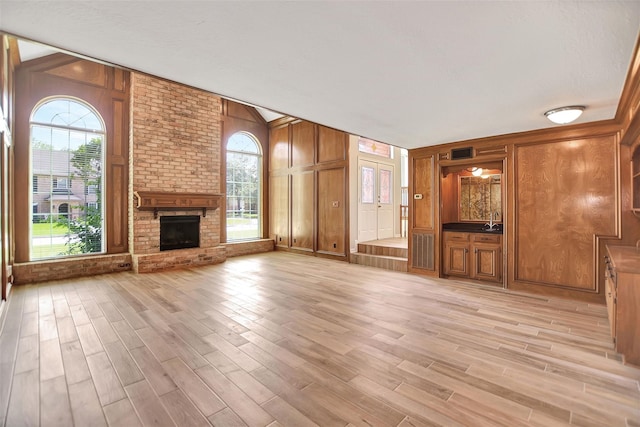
(176,137)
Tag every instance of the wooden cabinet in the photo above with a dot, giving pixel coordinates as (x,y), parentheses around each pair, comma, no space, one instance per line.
(456,254)
(635,179)
(622,287)
(476,256)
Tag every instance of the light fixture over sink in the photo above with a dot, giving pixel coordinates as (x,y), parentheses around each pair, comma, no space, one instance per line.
(476,171)
(564,115)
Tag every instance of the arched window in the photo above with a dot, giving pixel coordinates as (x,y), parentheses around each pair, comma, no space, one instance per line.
(244,165)
(67,159)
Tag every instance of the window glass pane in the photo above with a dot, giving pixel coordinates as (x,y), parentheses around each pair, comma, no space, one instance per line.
(242,142)
(374,147)
(243,187)
(67,167)
(67,113)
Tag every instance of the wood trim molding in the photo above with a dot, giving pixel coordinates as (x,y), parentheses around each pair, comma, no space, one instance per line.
(166,201)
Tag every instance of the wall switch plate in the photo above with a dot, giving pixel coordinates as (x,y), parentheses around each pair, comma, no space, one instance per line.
(417,196)
(335,204)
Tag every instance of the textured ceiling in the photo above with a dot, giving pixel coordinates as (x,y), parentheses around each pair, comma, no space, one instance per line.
(411,74)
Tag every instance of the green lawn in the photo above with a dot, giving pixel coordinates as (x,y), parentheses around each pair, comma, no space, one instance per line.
(241,234)
(48,229)
(238,221)
(47,251)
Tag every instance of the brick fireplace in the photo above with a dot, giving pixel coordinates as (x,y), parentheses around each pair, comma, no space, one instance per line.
(175,148)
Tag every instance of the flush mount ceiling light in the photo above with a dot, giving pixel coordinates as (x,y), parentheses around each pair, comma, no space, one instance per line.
(564,115)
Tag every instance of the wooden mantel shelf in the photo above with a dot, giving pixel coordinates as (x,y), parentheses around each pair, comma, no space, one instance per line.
(166,201)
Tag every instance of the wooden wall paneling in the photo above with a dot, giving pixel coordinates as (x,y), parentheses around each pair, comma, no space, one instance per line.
(302,210)
(84,72)
(449,198)
(303,136)
(423,215)
(117,175)
(223,180)
(565,195)
(120,80)
(4,103)
(279,209)
(331,210)
(279,148)
(117,210)
(4,214)
(332,145)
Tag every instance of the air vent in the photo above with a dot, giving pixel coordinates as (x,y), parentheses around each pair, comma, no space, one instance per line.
(462,153)
(422,251)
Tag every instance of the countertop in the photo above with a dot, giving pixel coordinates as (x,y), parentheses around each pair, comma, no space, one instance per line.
(625,259)
(471,227)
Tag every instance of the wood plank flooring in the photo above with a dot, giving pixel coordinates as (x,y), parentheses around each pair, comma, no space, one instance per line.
(281,339)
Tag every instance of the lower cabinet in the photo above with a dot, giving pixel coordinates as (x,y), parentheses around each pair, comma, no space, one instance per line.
(475,256)
(622,291)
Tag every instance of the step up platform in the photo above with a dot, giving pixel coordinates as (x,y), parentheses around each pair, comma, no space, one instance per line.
(388,254)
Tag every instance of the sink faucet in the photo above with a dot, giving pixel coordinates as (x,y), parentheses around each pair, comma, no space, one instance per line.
(491,224)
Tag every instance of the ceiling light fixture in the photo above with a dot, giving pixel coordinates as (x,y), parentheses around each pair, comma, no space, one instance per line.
(564,115)
(476,171)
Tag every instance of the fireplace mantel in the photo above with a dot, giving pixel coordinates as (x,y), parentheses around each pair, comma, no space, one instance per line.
(167,201)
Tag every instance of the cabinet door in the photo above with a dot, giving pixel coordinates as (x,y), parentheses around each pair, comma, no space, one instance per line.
(609,291)
(456,259)
(486,263)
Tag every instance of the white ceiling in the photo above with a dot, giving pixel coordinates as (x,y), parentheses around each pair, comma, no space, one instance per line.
(409,73)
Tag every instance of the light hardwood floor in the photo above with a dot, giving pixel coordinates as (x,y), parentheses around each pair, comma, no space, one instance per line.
(284,339)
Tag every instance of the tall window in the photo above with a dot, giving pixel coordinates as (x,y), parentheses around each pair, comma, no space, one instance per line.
(67,163)
(244,160)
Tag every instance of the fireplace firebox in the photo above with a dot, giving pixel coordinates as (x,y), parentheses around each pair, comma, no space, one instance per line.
(179,232)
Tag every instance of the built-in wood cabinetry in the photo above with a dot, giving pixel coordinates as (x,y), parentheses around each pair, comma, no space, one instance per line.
(473,255)
(308,177)
(635,179)
(622,284)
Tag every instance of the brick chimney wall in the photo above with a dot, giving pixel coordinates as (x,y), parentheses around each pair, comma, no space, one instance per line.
(176,137)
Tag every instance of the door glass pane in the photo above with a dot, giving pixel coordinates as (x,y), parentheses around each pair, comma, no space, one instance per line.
(368,185)
(385,186)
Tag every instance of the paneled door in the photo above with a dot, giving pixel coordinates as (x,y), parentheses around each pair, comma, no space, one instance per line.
(375,201)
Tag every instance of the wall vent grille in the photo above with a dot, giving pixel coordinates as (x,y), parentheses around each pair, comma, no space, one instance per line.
(422,251)
(462,153)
